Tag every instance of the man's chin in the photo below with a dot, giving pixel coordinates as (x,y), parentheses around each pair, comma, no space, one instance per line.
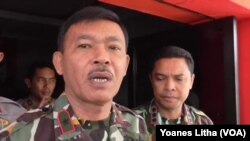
(103,101)
(46,97)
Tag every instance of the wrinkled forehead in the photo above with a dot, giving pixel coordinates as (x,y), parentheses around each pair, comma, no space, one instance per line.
(96,31)
(104,24)
(171,64)
(45,71)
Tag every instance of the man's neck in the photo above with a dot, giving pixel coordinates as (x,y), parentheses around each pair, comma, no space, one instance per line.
(40,102)
(170,113)
(90,111)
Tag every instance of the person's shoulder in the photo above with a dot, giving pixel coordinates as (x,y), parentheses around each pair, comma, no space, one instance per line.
(124,109)
(5,100)
(204,118)
(26,121)
(10,107)
(9,111)
(196,111)
(128,113)
(143,108)
(134,123)
(22,100)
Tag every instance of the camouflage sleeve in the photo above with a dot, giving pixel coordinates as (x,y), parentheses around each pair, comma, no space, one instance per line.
(135,128)
(205,120)
(201,117)
(28,127)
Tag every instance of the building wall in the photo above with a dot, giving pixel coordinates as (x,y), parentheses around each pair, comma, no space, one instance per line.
(244,69)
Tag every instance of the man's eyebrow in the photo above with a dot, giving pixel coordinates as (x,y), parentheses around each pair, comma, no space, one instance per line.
(87,37)
(179,75)
(107,39)
(158,73)
(113,38)
(46,77)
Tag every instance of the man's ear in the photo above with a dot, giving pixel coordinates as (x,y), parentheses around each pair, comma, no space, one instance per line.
(27,81)
(127,64)
(1,56)
(192,80)
(57,61)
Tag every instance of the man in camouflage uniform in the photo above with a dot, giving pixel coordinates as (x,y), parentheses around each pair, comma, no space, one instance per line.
(41,82)
(171,76)
(9,110)
(60,123)
(92,58)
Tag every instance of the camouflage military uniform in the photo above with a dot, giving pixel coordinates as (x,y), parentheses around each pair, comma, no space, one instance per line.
(9,111)
(190,116)
(30,104)
(60,123)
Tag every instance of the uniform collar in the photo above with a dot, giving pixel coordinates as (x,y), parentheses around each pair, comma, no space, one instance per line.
(67,125)
(156,118)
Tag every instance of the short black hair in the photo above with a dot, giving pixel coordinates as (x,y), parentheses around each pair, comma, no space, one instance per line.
(172,52)
(38,65)
(88,14)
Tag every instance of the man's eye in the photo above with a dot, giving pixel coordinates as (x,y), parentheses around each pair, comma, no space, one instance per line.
(53,80)
(159,78)
(40,80)
(84,46)
(115,48)
(180,79)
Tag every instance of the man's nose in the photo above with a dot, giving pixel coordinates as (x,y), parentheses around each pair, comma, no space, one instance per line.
(101,56)
(170,85)
(48,82)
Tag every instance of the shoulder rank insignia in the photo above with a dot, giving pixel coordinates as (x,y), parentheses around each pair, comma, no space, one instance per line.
(65,123)
(4,123)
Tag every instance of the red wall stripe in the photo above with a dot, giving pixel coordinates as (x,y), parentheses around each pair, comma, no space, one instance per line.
(244,69)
